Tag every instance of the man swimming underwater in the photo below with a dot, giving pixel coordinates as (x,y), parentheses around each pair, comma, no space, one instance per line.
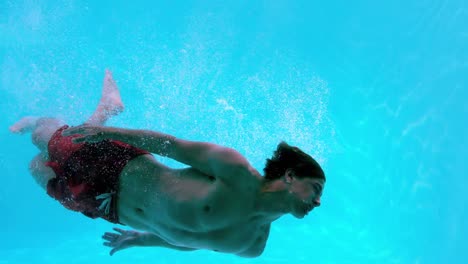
(218,202)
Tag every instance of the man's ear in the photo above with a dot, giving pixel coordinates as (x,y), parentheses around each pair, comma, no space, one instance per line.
(289,175)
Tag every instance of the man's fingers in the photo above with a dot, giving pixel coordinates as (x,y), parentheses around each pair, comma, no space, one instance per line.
(79,139)
(88,138)
(73,131)
(121,231)
(106,234)
(107,244)
(112,252)
(68,132)
(110,236)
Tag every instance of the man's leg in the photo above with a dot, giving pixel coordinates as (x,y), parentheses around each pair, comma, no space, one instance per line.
(110,103)
(40,172)
(43,128)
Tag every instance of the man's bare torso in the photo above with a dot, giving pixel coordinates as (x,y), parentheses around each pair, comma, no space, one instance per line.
(190,209)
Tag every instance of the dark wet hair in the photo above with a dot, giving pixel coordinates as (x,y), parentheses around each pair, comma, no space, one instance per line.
(290,157)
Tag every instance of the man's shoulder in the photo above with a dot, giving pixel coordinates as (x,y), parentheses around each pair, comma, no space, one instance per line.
(242,175)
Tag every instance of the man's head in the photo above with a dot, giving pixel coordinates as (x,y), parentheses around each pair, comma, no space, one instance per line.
(302,176)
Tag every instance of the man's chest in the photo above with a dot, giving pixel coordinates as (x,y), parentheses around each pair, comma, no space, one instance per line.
(212,208)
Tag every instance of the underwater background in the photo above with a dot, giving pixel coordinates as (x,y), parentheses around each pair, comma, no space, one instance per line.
(374,90)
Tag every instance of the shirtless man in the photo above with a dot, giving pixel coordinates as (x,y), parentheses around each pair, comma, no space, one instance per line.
(218,202)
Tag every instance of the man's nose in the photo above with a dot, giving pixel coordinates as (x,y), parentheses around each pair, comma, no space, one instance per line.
(316,202)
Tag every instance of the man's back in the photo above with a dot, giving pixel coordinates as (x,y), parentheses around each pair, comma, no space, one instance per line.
(188,208)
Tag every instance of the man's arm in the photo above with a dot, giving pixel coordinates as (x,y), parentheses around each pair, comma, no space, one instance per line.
(211,159)
(151,240)
(128,238)
(258,247)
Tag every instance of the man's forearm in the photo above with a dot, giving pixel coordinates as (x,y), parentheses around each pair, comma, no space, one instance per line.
(152,240)
(152,141)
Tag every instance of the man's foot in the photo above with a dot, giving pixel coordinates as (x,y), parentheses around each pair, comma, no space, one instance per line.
(25,124)
(110,103)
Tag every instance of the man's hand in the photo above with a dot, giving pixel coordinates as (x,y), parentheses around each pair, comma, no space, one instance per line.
(87,133)
(121,240)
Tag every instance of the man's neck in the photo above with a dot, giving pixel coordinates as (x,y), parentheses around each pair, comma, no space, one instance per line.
(272,200)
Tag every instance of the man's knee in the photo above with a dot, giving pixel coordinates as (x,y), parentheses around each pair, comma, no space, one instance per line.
(40,138)
(34,164)
(44,130)
(40,172)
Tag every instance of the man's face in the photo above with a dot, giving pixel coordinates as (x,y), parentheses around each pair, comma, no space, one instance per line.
(306,195)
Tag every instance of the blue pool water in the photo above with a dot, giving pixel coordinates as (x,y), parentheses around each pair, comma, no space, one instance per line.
(375,91)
